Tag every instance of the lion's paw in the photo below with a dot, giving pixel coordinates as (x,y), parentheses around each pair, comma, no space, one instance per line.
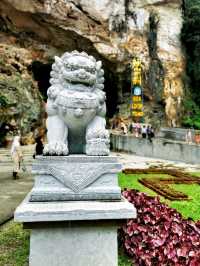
(97,147)
(56,148)
(98,134)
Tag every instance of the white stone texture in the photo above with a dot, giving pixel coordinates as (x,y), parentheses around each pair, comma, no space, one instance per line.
(29,212)
(170,24)
(76,177)
(48,188)
(74,246)
(100,10)
(141,20)
(76,107)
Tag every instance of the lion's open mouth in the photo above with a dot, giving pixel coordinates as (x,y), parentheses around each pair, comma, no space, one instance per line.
(86,80)
(79,76)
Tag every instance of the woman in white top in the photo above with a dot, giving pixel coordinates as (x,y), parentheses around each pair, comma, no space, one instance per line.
(144,132)
(16,155)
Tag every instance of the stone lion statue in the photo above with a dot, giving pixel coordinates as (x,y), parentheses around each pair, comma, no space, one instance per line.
(76,107)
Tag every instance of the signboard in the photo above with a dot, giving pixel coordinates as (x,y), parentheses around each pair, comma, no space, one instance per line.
(136,72)
(136,90)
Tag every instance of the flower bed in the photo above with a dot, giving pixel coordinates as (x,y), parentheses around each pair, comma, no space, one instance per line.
(155,170)
(161,185)
(159,235)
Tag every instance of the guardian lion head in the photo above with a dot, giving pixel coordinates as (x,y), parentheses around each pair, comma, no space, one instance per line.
(77,69)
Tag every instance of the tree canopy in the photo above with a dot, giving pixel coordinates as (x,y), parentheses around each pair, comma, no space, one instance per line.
(191,40)
(190,37)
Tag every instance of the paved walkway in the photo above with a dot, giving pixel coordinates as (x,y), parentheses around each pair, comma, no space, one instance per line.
(129,160)
(12,192)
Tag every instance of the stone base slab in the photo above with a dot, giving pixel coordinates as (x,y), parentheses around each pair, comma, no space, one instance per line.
(74,246)
(73,211)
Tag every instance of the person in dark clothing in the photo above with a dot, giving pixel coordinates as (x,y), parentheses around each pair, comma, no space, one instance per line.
(39,147)
(152,133)
(149,133)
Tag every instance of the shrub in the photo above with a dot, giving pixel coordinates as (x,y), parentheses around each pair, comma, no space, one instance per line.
(3,101)
(159,235)
(191,117)
(190,37)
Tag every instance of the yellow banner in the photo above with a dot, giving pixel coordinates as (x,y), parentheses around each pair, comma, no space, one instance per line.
(137,113)
(137,99)
(137,80)
(137,106)
(136,72)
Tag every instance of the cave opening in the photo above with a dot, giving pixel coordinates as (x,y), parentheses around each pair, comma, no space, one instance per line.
(41,74)
(110,88)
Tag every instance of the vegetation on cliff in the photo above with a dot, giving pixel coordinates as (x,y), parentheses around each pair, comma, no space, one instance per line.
(20,101)
(191,41)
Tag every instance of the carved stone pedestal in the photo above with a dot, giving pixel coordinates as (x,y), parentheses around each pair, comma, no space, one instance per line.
(76,177)
(66,230)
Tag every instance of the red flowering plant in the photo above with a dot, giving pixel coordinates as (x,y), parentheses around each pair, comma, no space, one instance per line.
(159,236)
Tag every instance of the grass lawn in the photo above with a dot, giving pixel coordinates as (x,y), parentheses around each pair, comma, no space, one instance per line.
(14,245)
(188,208)
(123,260)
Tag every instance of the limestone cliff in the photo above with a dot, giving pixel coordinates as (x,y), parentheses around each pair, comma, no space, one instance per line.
(21,107)
(114,31)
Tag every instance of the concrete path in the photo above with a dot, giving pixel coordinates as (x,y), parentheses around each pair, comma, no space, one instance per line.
(129,160)
(12,192)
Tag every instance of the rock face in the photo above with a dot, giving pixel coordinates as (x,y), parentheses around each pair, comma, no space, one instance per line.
(113,31)
(21,106)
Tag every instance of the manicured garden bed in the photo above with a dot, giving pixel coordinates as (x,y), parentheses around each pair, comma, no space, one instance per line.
(178,182)
(159,235)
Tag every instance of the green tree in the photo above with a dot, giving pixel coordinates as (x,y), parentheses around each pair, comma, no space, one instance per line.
(191,40)
(190,37)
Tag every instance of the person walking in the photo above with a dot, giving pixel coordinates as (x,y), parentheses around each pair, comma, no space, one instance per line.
(144,132)
(124,128)
(188,136)
(137,130)
(131,128)
(149,134)
(152,132)
(39,147)
(16,155)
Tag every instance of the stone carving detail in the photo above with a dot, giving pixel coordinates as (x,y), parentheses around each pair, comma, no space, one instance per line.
(75,177)
(83,176)
(76,107)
